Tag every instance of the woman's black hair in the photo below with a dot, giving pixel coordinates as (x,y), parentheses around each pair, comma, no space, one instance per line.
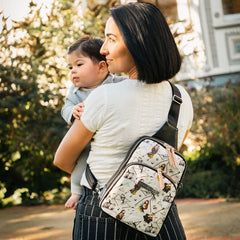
(149,40)
(88,46)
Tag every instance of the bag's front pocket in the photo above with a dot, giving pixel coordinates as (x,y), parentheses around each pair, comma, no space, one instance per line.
(139,198)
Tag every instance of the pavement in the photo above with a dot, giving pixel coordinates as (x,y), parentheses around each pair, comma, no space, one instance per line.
(214,219)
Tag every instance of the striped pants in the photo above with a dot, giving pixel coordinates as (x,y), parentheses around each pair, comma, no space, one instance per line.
(91,223)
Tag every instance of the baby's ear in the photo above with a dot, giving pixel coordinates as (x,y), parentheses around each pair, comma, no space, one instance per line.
(102,66)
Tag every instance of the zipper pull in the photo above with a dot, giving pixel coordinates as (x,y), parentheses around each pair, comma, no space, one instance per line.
(171,156)
(160,178)
(168,148)
(175,164)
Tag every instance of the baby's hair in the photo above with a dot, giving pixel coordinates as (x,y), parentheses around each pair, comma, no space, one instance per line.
(89,47)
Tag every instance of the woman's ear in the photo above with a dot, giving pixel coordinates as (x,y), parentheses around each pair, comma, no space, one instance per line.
(102,66)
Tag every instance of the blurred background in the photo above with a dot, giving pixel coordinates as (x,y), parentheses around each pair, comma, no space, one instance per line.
(34,36)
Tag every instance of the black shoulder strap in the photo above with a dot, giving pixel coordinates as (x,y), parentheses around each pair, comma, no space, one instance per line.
(169,132)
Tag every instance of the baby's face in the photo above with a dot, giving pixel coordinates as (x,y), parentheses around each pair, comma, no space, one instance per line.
(84,72)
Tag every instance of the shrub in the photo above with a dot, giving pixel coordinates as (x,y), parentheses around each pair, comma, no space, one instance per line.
(214,167)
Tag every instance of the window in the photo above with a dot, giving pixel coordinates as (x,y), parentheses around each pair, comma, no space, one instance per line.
(225,13)
(231,7)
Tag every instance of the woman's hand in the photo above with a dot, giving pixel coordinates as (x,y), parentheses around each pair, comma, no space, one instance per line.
(73,143)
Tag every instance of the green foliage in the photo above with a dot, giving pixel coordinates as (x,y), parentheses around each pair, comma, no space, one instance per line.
(22,196)
(208,184)
(32,75)
(94,22)
(214,170)
(210,177)
(217,126)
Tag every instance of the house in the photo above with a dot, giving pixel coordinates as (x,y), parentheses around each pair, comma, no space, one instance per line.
(208,35)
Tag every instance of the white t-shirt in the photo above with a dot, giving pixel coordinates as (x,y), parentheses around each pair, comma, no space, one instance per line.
(120,113)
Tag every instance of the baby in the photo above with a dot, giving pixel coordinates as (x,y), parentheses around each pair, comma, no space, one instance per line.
(88,70)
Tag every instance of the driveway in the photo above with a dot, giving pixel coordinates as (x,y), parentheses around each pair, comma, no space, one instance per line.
(213,219)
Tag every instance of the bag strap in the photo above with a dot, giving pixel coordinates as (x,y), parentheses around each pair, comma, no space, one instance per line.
(175,106)
(168,132)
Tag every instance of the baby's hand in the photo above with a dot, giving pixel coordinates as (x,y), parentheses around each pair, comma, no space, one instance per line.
(77,110)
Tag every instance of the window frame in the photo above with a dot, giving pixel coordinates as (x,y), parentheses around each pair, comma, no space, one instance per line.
(218,17)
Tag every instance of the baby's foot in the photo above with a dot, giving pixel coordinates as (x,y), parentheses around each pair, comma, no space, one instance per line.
(72,201)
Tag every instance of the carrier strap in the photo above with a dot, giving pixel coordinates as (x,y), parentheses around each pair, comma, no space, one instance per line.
(169,131)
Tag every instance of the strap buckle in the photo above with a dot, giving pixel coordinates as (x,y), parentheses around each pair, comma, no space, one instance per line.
(97,189)
(177,99)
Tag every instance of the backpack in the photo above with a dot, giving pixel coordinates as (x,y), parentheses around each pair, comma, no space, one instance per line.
(142,190)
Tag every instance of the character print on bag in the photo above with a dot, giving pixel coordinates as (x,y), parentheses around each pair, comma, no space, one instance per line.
(147,218)
(136,188)
(144,206)
(141,194)
(109,205)
(150,229)
(154,151)
(120,215)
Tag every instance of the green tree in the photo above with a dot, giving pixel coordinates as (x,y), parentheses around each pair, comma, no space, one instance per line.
(32,75)
(214,168)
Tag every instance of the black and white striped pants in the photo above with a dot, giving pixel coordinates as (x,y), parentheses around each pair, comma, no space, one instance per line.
(91,223)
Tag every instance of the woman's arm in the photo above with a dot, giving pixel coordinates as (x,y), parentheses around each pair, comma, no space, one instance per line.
(73,143)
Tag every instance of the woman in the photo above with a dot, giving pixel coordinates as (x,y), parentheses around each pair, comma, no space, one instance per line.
(139,42)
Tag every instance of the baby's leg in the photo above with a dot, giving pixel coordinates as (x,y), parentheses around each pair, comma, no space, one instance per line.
(76,188)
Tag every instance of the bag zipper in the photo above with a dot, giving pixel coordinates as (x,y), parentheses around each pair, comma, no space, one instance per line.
(112,181)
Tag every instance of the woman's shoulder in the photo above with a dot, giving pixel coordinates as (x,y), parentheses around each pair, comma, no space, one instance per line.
(186,106)
(117,86)
(184,93)
(103,93)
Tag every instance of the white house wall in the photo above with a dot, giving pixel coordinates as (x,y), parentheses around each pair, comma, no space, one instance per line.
(215,41)
(218,37)
(224,37)
(195,64)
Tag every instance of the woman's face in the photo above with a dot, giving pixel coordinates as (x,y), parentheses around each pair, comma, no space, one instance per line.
(118,57)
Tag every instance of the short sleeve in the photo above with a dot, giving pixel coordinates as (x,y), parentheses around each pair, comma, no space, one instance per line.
(94,110)
(189,105)
(186,110)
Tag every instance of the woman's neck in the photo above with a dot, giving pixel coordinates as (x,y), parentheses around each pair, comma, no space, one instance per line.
(133,73)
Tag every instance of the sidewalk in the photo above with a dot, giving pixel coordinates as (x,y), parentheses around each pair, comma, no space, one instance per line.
(213,219)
